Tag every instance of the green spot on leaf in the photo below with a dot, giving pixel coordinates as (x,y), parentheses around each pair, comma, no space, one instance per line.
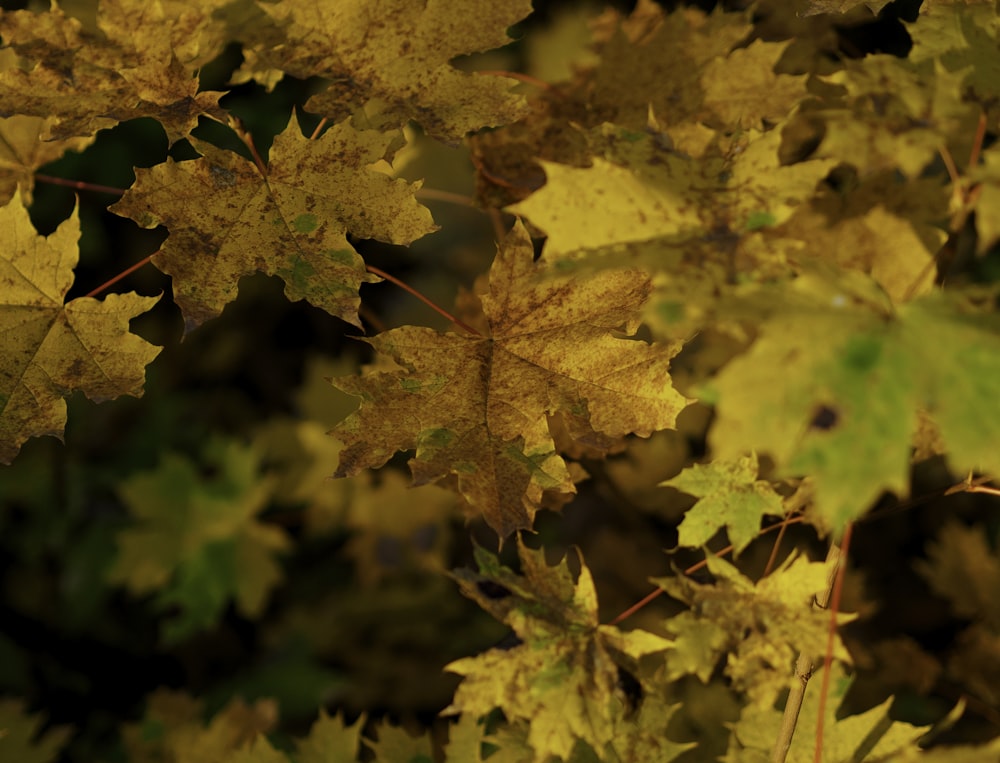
(761,219)
(305,223)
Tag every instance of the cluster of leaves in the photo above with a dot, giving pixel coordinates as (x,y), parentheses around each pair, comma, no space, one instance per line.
(764,284)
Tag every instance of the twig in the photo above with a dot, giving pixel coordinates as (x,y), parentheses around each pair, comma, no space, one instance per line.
(405,287)
(115,279)
(804,665)
(79,185)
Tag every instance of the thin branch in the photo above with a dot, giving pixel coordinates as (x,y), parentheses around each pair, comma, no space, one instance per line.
(694,568)
(405,287)
(432,194)
(838,589)
(804,667)
(120,276)
(526,78)
(79,184)
(774,549)
(319,127)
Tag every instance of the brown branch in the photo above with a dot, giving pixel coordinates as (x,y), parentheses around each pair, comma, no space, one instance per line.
(79,184)
(120,276)
(405,287)
(694,568)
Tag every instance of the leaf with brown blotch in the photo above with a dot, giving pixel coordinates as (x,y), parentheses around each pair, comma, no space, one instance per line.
(475,406)
(49,348)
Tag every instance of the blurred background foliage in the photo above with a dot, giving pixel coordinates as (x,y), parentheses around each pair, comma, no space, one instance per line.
(358,615)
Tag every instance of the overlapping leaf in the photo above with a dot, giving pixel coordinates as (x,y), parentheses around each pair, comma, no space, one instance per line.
(853,374)
(227,220)
(399,55)
(476,407)
(759,628)
(872,735)
(51,349)
(563,676)
(197,540)
(127,68)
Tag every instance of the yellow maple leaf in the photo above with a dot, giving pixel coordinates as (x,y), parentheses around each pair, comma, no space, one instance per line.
(93,78)
(227,220)
(475,407)
(399,54)
(51,349)
(25,145)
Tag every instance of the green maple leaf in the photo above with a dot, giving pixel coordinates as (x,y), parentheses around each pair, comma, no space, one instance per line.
(50,348)
(197,540)
(853,373)
(477,407)
(403,65)
(20,739)
(563,676)
(730,495)
(227,220)
(761,628)
(871,735)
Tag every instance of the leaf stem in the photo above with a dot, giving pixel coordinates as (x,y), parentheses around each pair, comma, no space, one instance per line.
(120,276)
(78,184)
(405,287)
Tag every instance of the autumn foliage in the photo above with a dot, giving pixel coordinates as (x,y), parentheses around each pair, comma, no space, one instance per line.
(692,459)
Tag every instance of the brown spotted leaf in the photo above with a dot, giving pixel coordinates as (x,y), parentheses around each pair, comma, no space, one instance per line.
(227,220)
(476,406)
(399,53)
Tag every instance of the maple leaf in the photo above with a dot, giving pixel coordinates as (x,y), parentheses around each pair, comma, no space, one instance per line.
(20,739)
(762,627)
(854,373)
(871,735)
(729,494)
(330,739)
(892,113)
(815,7)
(651,61)
(963,569)
(91,79)
(399,56)
(643,192)
(963,38)
(564,673)
(227,220)
(51,348)
(25,146)
(172,729)
(475,407)
(197,540)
